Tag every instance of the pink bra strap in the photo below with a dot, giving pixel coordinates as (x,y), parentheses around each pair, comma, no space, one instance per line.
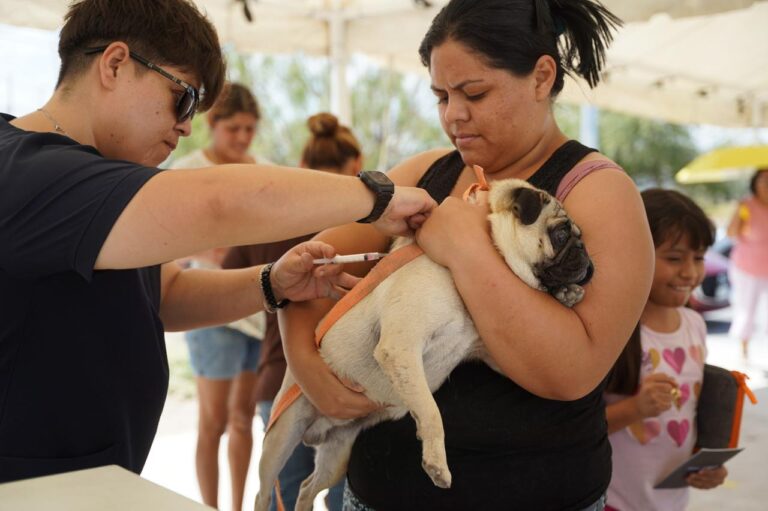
(579,172)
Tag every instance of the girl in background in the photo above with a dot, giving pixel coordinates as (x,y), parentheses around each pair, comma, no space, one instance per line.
(331,147)
(533,435)
(224,358)
(748,272)
(652,391)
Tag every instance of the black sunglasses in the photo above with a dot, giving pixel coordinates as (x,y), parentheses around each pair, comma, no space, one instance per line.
(186,105)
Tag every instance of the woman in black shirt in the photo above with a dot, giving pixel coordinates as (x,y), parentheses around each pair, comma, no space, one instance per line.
(534,435)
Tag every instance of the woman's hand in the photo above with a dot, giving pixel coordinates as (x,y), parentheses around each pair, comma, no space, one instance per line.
(406,211)
(296,277)
(454,228)
(331,396)
(655,395)
(708,478)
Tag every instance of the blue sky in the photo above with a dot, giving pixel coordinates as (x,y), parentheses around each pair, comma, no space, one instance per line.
(30,65)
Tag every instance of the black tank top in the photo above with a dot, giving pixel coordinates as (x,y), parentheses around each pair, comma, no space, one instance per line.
(507,448)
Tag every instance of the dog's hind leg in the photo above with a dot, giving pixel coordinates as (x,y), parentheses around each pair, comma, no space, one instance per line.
(331,459)
(279,443)
(400,357)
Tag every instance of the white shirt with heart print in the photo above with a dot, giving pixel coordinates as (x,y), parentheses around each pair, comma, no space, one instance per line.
(646,452)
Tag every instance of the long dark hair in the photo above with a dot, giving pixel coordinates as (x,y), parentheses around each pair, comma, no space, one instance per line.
(513,34)
(671,215)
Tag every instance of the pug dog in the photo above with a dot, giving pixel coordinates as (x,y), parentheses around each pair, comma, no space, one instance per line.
(402,340)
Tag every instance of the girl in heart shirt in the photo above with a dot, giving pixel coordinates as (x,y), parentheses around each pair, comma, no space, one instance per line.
(653,389)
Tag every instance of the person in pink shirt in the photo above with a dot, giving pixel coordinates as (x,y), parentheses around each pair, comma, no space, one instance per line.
(749,269)
(651,394)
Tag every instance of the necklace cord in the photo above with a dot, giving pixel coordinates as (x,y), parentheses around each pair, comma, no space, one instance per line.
(56,126)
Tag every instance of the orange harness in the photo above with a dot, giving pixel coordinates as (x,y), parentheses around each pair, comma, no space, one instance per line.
(388,265)
(741,380)
(385,267)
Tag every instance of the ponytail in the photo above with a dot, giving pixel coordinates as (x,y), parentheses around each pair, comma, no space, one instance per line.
(586,34)
(513,34)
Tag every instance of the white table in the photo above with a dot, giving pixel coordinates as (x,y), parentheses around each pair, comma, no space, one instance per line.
(98,489)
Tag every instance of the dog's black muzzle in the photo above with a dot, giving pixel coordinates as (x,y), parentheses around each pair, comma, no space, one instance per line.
(571,264)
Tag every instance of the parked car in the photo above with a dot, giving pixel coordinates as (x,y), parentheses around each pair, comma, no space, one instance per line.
(715,291)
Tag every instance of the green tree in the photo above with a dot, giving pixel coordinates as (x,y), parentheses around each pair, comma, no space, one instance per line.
(650,151)
(393,115)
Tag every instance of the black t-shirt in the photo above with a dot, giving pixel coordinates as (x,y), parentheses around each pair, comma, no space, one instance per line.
(507,449)
(83,367)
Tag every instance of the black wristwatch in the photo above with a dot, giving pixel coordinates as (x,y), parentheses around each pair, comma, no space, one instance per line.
(382,187)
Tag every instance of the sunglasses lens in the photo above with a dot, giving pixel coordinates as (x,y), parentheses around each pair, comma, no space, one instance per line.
(185,108)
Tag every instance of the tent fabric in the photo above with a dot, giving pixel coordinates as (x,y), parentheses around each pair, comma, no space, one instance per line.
(698,61)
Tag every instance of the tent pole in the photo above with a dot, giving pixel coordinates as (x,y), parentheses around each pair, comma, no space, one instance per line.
(340,100)
(757,119)
(589,133)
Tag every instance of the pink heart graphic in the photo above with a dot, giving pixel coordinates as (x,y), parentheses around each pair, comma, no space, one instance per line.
(685,393)
(675,359)
(697,354)
(645,431)
(678,431)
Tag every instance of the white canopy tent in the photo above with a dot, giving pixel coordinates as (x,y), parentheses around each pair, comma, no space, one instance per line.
(694,61)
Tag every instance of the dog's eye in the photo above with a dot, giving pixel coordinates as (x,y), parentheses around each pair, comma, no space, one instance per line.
(559,235)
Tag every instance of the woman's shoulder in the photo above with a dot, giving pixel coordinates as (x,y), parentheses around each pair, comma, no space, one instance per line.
(193,160)
(587,166)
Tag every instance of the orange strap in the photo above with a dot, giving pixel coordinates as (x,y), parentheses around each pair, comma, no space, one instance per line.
(390,264)
(387,266)
(286,400)
(741,380)
(480,185)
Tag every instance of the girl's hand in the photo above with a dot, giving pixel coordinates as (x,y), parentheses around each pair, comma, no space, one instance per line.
(455,227)
(655,395)
(331,396)
(708,478)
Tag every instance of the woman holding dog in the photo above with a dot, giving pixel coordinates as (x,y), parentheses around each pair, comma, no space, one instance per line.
(534,436)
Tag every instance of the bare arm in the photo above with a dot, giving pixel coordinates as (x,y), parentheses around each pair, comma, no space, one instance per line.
(550,350)
(193,298)
(181,212)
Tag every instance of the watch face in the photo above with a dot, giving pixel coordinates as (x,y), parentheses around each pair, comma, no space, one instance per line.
(379,178)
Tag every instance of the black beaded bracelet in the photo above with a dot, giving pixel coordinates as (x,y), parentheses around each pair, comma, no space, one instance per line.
(270,302)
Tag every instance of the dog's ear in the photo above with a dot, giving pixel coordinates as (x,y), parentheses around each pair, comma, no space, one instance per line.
(526,204)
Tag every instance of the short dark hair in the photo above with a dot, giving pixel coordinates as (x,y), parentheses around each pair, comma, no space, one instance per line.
(753,181)
(513,34)
(166,32)
(234,99)
(670,213)
(331,145)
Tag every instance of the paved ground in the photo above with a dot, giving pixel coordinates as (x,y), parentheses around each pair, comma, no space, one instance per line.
(171,461)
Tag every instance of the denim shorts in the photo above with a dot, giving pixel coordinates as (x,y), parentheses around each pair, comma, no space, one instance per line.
(353,503)
(221,353)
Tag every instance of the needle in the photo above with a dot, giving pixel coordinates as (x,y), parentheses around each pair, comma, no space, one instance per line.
(351,258)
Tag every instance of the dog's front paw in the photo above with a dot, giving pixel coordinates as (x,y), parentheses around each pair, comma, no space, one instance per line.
(569,295)
(440,475)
